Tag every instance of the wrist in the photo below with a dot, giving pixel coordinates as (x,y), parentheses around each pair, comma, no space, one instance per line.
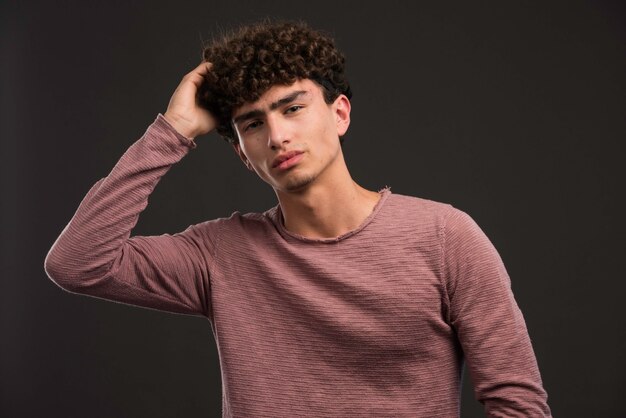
(180,124)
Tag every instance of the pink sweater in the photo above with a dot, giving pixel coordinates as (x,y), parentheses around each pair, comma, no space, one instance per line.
(376,322)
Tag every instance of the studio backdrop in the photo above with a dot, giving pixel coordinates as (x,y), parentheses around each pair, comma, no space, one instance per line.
(511,111)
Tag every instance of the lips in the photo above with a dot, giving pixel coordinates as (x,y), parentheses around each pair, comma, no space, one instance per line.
(284,157)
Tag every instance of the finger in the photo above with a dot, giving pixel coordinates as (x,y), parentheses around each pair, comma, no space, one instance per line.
(196,76)
(203,68)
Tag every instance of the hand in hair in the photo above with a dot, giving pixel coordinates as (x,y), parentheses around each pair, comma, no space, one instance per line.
(183,112)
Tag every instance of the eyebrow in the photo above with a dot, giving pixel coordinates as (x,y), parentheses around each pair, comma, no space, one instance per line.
(255,113)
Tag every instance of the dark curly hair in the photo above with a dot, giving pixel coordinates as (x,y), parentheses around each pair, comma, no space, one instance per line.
(249,61)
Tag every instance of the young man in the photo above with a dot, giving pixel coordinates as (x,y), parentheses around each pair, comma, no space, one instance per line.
(339,301)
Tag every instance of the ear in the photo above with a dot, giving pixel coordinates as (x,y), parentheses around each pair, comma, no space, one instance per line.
(241,155)
(341,108)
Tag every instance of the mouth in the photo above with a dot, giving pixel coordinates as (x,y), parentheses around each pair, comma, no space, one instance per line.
(287,159)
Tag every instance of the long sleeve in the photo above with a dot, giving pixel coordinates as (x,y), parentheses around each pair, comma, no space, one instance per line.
(489,323)
(95,255)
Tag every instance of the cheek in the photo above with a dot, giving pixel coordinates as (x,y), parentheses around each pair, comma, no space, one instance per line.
(249,150)
(330,132)
(245,157)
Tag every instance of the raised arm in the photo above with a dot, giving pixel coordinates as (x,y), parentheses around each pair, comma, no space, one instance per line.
(489,323)
(95,255)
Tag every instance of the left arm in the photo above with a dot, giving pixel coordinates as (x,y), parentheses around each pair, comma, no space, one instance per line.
(489,324)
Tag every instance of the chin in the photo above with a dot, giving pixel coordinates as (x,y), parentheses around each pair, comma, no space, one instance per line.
(296,183)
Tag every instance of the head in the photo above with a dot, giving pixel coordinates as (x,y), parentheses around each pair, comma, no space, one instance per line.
(251,60)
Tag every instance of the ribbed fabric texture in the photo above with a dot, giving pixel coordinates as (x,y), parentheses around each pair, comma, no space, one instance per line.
(377,322)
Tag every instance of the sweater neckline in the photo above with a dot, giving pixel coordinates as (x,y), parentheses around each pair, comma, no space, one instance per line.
(278,220)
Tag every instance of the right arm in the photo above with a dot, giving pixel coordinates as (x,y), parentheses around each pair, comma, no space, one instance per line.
(95,254)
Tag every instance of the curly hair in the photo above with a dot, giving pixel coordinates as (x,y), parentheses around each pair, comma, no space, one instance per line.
(249,61)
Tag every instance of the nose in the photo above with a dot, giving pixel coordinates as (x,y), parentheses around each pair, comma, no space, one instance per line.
(277,133)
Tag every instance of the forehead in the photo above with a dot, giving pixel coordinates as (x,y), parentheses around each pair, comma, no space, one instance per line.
(277,92)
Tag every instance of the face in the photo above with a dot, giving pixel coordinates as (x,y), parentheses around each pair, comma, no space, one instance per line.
(290,136)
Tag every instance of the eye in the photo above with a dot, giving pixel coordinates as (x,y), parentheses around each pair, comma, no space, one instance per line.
(292,109)
(253,125)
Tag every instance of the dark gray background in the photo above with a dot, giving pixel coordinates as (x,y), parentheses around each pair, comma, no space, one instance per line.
(512,111)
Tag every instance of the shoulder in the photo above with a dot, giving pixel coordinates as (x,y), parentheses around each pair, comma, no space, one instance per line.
(414,207)
(235,232)
(240,226)
(420,204)
(447,219)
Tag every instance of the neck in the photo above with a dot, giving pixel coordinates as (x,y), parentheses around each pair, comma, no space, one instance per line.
(327,209)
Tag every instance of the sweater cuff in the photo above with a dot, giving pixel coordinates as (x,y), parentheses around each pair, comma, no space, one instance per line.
(162,123)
